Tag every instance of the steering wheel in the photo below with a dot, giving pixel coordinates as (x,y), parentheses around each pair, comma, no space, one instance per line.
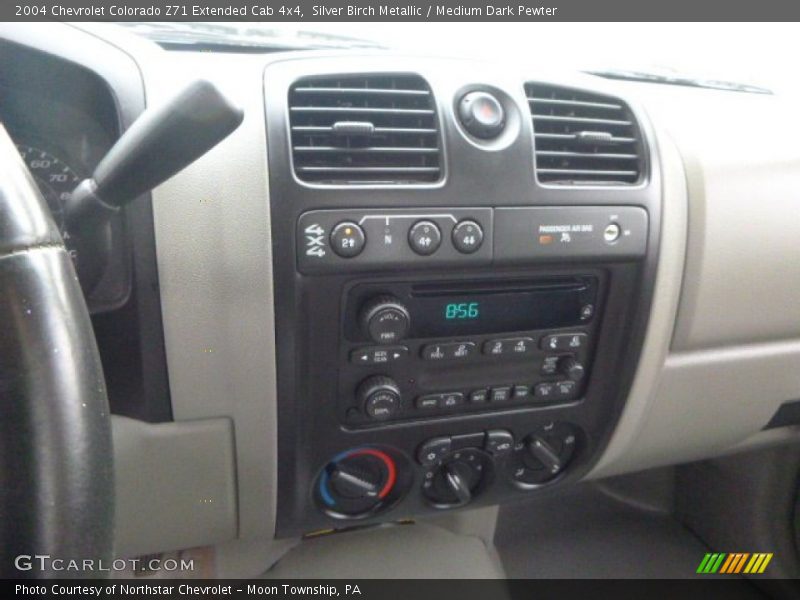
(56,477)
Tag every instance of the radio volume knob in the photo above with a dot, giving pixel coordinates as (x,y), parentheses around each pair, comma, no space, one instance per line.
(379,396)
(385,320)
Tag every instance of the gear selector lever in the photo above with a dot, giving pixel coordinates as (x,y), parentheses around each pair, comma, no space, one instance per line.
(164,139)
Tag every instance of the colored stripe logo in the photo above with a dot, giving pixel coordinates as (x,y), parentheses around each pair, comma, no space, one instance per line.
(734,563)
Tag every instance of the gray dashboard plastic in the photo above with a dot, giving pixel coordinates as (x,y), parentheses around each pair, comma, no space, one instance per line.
(722,345)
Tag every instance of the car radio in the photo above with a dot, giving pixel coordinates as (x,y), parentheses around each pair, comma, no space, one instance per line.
(463,327)
(413,350)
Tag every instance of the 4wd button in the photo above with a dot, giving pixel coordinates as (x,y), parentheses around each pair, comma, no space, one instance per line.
(425,238)
(467,237)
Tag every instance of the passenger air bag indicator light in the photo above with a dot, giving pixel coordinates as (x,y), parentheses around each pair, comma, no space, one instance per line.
(544,240)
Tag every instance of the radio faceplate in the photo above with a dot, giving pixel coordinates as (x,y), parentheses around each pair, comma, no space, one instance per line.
(466,346)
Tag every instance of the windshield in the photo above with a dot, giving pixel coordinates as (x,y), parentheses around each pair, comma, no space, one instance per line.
(761,55)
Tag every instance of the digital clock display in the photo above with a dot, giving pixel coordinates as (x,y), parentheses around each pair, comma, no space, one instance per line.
(462,311)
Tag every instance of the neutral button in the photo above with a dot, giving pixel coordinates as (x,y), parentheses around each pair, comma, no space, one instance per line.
(500,394)
(425,238)
(347,239)
(467,237)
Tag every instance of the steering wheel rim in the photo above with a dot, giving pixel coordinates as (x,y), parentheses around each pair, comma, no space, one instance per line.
(56,475)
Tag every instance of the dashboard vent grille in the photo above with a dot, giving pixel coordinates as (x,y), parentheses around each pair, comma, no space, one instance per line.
(584,138)
(364,129)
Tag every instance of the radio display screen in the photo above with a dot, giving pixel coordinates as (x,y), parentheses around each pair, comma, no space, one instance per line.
(455,315)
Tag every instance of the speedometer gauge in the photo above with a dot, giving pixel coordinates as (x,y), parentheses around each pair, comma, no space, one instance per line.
(56,180)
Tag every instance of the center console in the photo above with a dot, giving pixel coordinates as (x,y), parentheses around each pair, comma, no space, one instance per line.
(463,267)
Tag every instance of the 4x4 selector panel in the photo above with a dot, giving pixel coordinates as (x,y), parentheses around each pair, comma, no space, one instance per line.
(331,241)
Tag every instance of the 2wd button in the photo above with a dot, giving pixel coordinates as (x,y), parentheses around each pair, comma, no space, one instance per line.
(467,237)
(425,238)
(347,239)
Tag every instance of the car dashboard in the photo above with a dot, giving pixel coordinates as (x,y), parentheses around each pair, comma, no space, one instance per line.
(407,286)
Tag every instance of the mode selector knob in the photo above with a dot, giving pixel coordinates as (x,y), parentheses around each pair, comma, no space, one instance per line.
(379,396)
(385,320)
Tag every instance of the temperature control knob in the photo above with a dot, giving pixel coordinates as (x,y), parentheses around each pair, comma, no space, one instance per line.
(379,396)
(385,320)
(360,481)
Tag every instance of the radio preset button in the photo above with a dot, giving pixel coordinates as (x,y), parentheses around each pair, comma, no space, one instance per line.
(521,392)
(424,237)
(347,239)
(564,341)
(509,346)
(467,236)
(479,396)
(565,389)
(545,391)
(448,351)
(429,402)
(500,394)
(452,399)
(377,355)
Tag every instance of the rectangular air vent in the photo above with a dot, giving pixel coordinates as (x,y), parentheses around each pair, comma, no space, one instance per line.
(584,138)
(364,129)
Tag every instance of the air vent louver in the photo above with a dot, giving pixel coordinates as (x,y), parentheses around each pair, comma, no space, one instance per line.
(584,138)
(364,129)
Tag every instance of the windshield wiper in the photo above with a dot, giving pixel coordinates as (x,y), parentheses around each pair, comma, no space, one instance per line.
(683,80)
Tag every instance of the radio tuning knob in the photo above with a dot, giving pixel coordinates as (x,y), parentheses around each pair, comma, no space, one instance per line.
(385,320)
(379,396)
(571,368)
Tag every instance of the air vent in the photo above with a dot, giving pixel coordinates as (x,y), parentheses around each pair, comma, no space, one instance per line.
(364,129)
(584,138)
